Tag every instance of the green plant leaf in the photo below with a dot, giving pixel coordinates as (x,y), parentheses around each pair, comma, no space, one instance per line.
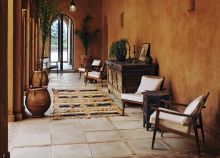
(84,34)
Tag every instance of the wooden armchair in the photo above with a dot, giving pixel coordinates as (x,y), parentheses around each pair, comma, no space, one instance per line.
(180,123)
(95,65)
(96,75)
(148,83)
(48,66)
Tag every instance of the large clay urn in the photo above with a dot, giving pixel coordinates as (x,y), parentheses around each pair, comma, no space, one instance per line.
(36,77)
(38,101)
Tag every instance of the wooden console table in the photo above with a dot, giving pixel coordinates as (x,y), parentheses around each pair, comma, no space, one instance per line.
(126,77)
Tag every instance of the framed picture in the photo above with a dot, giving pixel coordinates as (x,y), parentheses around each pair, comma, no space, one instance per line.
(145,49)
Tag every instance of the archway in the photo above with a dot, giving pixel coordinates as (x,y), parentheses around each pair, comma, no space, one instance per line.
(62,42)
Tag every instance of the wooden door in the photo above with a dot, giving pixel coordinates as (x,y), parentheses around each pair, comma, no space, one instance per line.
(3,81)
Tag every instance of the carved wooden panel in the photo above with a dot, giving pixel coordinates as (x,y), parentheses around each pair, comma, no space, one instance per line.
(126,77)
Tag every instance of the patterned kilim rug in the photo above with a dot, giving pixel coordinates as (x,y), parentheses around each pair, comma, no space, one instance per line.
(83,103)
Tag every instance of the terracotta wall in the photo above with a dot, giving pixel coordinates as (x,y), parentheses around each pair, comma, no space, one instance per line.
(84,7)
(185,44)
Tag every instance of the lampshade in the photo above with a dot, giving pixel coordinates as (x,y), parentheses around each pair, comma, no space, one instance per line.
(72,6)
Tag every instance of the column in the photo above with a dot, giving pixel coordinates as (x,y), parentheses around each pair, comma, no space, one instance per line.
(3,80)
(10,61)
(27,46)
(18,94)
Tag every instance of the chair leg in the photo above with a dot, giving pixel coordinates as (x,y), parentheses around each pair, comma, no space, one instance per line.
(196,137)
(144,121)
(57,71)
(85,81)
(155,129)
(161,134)
(154,136)
(123,108)
(79,74)
(201,127)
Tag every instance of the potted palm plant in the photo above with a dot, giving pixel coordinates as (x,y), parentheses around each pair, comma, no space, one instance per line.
(38,99)
(118,49)
(86,36)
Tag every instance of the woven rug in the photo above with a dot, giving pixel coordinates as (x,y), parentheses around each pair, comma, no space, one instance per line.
(83,103)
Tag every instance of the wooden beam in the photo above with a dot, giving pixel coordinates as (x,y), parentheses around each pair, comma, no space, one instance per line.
(3,80)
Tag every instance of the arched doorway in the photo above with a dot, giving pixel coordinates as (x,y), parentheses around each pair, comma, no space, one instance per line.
(62,42)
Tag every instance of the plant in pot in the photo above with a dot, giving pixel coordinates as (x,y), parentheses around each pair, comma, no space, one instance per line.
(118,49)
(86,36)
(38,98)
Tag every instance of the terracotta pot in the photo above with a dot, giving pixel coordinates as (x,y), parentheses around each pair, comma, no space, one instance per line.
(38,101)
(121,56)
(36,77)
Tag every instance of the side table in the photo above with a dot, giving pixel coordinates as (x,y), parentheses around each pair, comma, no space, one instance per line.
(152,99)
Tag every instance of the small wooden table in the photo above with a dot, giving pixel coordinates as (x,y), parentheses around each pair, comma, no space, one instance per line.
(152,99)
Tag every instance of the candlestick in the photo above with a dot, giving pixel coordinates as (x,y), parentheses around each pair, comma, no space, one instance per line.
(134,61)
(129,53)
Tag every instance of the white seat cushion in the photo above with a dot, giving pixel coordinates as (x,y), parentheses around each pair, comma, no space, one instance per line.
(94,74)
(190,109)
(149,84)
(82,69)
(132,97)
(170,121)
(96,62)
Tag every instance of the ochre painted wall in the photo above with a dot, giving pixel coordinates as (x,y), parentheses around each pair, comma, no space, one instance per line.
(185,44)
(84,7)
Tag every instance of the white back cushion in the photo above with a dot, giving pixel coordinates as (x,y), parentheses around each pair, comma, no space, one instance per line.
(96,62)
(191,108)
(149,84)
(193,105)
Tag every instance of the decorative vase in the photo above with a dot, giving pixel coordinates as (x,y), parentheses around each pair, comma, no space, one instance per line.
(36,77)
(149,59)
(38,101)
(121,56)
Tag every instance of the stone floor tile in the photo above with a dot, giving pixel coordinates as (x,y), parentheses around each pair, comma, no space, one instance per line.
(32,152)
(122,118)
(137,116)
(71,151)
(76,137)
(136,134)
(128,124)
(96,124)
(32,139)
(102,136)
(34,128)
(110,149)
(181,143)
(44,120)
(141,147)
(67,126)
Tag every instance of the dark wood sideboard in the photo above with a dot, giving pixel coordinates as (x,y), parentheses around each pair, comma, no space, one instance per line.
(125,77)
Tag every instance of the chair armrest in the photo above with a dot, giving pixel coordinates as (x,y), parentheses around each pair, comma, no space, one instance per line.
(154,91)
(171,112)
(173,103)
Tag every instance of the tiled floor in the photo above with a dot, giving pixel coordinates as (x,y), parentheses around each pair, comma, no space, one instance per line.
(122,136)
